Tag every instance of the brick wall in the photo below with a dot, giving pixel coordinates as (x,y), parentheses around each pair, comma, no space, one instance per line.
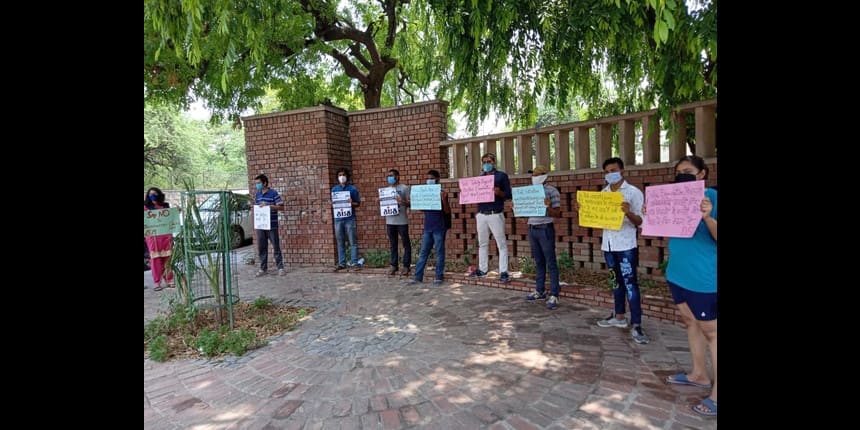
(300,151)
(582,243)
(405,138)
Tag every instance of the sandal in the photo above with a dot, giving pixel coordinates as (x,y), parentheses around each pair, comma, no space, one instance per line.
(171,285)
(158,287)
(681,379)
(707,407)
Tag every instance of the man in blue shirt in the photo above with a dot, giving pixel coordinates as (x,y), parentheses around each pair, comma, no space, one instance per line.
(345,227)
(268,197)
(434,236)
(491,217)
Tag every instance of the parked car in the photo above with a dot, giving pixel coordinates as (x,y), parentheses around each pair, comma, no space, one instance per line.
(241,219)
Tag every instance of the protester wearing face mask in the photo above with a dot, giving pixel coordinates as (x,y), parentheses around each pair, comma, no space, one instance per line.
(266,196)
(345,228)
(692,277)
(542,241)
(621,252)
(491,217)
(398,225)
(435,228)
(161,246)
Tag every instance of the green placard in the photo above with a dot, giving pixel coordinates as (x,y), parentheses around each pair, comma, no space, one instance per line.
(160,221)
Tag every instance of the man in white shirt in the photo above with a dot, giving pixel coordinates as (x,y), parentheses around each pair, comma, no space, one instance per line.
(621,252)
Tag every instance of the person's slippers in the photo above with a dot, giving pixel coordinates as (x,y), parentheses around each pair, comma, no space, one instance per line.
(171,286)
(707,407)
(158,287)
(681,379)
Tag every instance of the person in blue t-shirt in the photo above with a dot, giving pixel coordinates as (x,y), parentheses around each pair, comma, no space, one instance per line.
(435,229)
(344,228)
(266,196)
(692,277)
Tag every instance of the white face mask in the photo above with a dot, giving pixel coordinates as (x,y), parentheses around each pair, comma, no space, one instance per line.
(342,179)
(431,181)
(537,180)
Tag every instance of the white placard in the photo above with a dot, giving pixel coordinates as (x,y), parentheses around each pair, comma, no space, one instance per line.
(342,207)
(262,217)
(388,201)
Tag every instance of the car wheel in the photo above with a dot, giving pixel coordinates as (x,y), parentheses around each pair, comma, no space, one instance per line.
(238,237)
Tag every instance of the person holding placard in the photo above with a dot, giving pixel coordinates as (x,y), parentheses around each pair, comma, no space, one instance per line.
(161,246)
(692,278)
(266,196)
(435,229)
(398,225)
(345,226)
(621,252)
(491,217)
(542,241)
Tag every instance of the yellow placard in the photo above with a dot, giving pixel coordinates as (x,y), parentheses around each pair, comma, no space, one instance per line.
(600,209)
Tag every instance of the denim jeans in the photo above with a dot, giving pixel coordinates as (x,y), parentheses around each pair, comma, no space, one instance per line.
(403,232)
(263,239)
(346,229)
(542,241)
(435,239)
(624,265)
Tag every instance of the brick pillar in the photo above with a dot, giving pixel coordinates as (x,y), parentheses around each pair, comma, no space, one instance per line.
(300,151)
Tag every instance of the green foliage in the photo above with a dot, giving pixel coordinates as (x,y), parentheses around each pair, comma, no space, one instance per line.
(177,149)
(377,258)
(262,302)
(663,265)
(527,265)
(158,348)
(565,260)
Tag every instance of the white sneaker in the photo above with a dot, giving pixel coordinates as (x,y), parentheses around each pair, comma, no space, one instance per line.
(260,273)
(282,272)
(611,321)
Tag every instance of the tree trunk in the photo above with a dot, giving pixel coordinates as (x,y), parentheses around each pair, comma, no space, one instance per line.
(373,94)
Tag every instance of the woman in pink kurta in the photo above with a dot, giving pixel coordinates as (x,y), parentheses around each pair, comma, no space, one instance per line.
(159,246)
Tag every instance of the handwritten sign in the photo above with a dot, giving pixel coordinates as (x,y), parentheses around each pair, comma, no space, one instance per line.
(426,197)
(674,210)
(529,201)
(477,189)
(388,201)
(160,221)
(342,207)
(262,217)
(600,209)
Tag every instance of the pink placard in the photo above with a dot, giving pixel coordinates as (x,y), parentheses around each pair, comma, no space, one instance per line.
(673,210)
(477,189)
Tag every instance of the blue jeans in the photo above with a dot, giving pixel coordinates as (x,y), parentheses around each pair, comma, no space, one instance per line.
(623,266)
(263,239)
(542,241)
(343,229)
(403,231)
(436,239)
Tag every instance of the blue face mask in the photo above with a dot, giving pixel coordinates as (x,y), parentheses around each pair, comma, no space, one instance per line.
(153,197)
(613,177)
(391,180)
(431,181)
(488,167)
(259,186)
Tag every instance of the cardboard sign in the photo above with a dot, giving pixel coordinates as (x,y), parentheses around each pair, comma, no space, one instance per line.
(673,210)
(529,201)
(157,222)
(426,197)
(342,207)
(262,217)
(477,189)
(600,209)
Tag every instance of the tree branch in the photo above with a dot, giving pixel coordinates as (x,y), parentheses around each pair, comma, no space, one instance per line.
(355,50)
(351,70)
(402,80)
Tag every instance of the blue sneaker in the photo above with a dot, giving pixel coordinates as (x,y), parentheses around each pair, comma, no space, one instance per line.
(536,296)
(438,281)
(413,282)
(478,274)
(505,277)
(552,302)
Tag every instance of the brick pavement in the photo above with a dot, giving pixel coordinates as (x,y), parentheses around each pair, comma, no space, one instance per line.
(380,355)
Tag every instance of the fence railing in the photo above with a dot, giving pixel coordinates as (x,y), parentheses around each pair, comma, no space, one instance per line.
(585,144)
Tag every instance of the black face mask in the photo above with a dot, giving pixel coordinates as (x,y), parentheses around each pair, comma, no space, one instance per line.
(684,177)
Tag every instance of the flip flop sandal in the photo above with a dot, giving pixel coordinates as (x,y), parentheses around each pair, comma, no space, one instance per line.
(707,407)
(158,288)
(681,379)
(171,286)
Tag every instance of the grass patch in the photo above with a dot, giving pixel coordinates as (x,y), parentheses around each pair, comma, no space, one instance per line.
(185,332)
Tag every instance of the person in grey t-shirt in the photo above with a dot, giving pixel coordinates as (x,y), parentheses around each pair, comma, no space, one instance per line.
(398,225)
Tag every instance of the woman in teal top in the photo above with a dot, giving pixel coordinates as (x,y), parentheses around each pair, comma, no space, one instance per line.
(692,277)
